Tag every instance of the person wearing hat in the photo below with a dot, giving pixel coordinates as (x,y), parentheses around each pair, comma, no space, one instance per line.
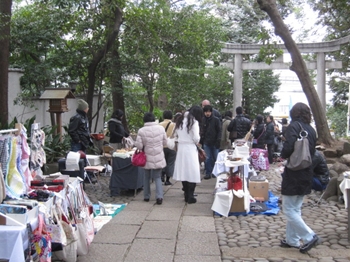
(116,129)
(78,128)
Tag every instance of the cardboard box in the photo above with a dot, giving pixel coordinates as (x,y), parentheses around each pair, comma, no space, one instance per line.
(22,218)
(259,189)
(237,204)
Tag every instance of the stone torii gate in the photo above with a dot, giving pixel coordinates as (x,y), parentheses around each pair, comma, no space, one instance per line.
(321,64)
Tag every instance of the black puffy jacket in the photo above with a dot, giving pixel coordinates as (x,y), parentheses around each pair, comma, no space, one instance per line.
(79,129)
(320,168)
(241,124)
(297,182)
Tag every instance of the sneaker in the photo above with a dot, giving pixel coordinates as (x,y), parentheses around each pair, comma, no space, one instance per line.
(213,176)
(306,247)
(146,199)
(207,176)
(286,245)
(167,183)
(159,201)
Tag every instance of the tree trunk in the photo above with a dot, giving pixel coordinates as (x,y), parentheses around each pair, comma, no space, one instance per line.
(99,55)
(299,67)
(117,86)
(5,19)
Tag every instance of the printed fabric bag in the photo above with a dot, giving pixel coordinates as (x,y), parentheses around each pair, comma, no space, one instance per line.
(301,157)
(41,241)
(139,158)
(259,158)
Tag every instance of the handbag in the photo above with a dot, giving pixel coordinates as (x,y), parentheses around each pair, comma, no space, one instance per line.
(301,157)
(138,158)
(56,230)
(201,154)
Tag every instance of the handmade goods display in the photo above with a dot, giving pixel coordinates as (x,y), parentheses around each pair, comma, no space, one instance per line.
(138,158)
(301,157)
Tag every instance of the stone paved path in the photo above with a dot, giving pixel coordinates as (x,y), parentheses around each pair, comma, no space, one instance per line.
(257,237)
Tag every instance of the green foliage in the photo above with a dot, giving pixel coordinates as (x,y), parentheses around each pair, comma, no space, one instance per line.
(54,148)
(337,116)
(258,90)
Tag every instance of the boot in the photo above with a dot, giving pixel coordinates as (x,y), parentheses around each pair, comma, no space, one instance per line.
(191,187)
(185,189)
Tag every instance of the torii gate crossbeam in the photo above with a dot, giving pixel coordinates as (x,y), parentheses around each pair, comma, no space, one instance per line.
(320,65)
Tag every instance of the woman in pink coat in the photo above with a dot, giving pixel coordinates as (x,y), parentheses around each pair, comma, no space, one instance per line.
(152,138)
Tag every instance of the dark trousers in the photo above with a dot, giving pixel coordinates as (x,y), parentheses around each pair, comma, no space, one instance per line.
(270,151)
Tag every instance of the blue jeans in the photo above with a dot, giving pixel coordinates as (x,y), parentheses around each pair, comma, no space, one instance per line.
(75,147)
(212,153)
(296,228)
(155,174)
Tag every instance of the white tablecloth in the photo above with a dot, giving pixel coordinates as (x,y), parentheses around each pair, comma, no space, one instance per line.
(220,166)
(14,241)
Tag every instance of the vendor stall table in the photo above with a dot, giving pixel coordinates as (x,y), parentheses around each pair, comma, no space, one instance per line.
(125,175)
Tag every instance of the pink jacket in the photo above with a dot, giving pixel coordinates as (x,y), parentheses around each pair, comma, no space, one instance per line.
(153,138)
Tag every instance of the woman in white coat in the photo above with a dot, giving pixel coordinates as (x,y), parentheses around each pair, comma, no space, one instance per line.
(187,168)
(151,138)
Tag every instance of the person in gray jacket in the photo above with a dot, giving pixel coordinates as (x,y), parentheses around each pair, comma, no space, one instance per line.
(151,138)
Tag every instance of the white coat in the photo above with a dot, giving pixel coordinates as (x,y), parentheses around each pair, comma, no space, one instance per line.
(187,166)
(152,138)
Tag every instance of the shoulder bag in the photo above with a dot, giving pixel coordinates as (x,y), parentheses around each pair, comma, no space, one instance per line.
(301,157)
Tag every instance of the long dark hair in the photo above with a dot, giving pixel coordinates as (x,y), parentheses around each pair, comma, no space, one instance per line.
(301,111)
(194,113)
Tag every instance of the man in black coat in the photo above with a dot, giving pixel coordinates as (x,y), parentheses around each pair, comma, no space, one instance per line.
(78,128)
(239,126)
(210,139)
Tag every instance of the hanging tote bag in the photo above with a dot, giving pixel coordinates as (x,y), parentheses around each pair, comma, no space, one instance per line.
(301,157)
(82,246)
(56,230)
(41,241)
(139,158)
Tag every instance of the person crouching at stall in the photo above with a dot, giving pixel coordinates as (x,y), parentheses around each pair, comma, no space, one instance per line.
(151,138)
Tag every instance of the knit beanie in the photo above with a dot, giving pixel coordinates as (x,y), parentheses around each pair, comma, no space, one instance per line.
(82,105)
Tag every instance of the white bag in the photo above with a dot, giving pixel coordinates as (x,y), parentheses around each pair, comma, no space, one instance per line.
(222,202)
